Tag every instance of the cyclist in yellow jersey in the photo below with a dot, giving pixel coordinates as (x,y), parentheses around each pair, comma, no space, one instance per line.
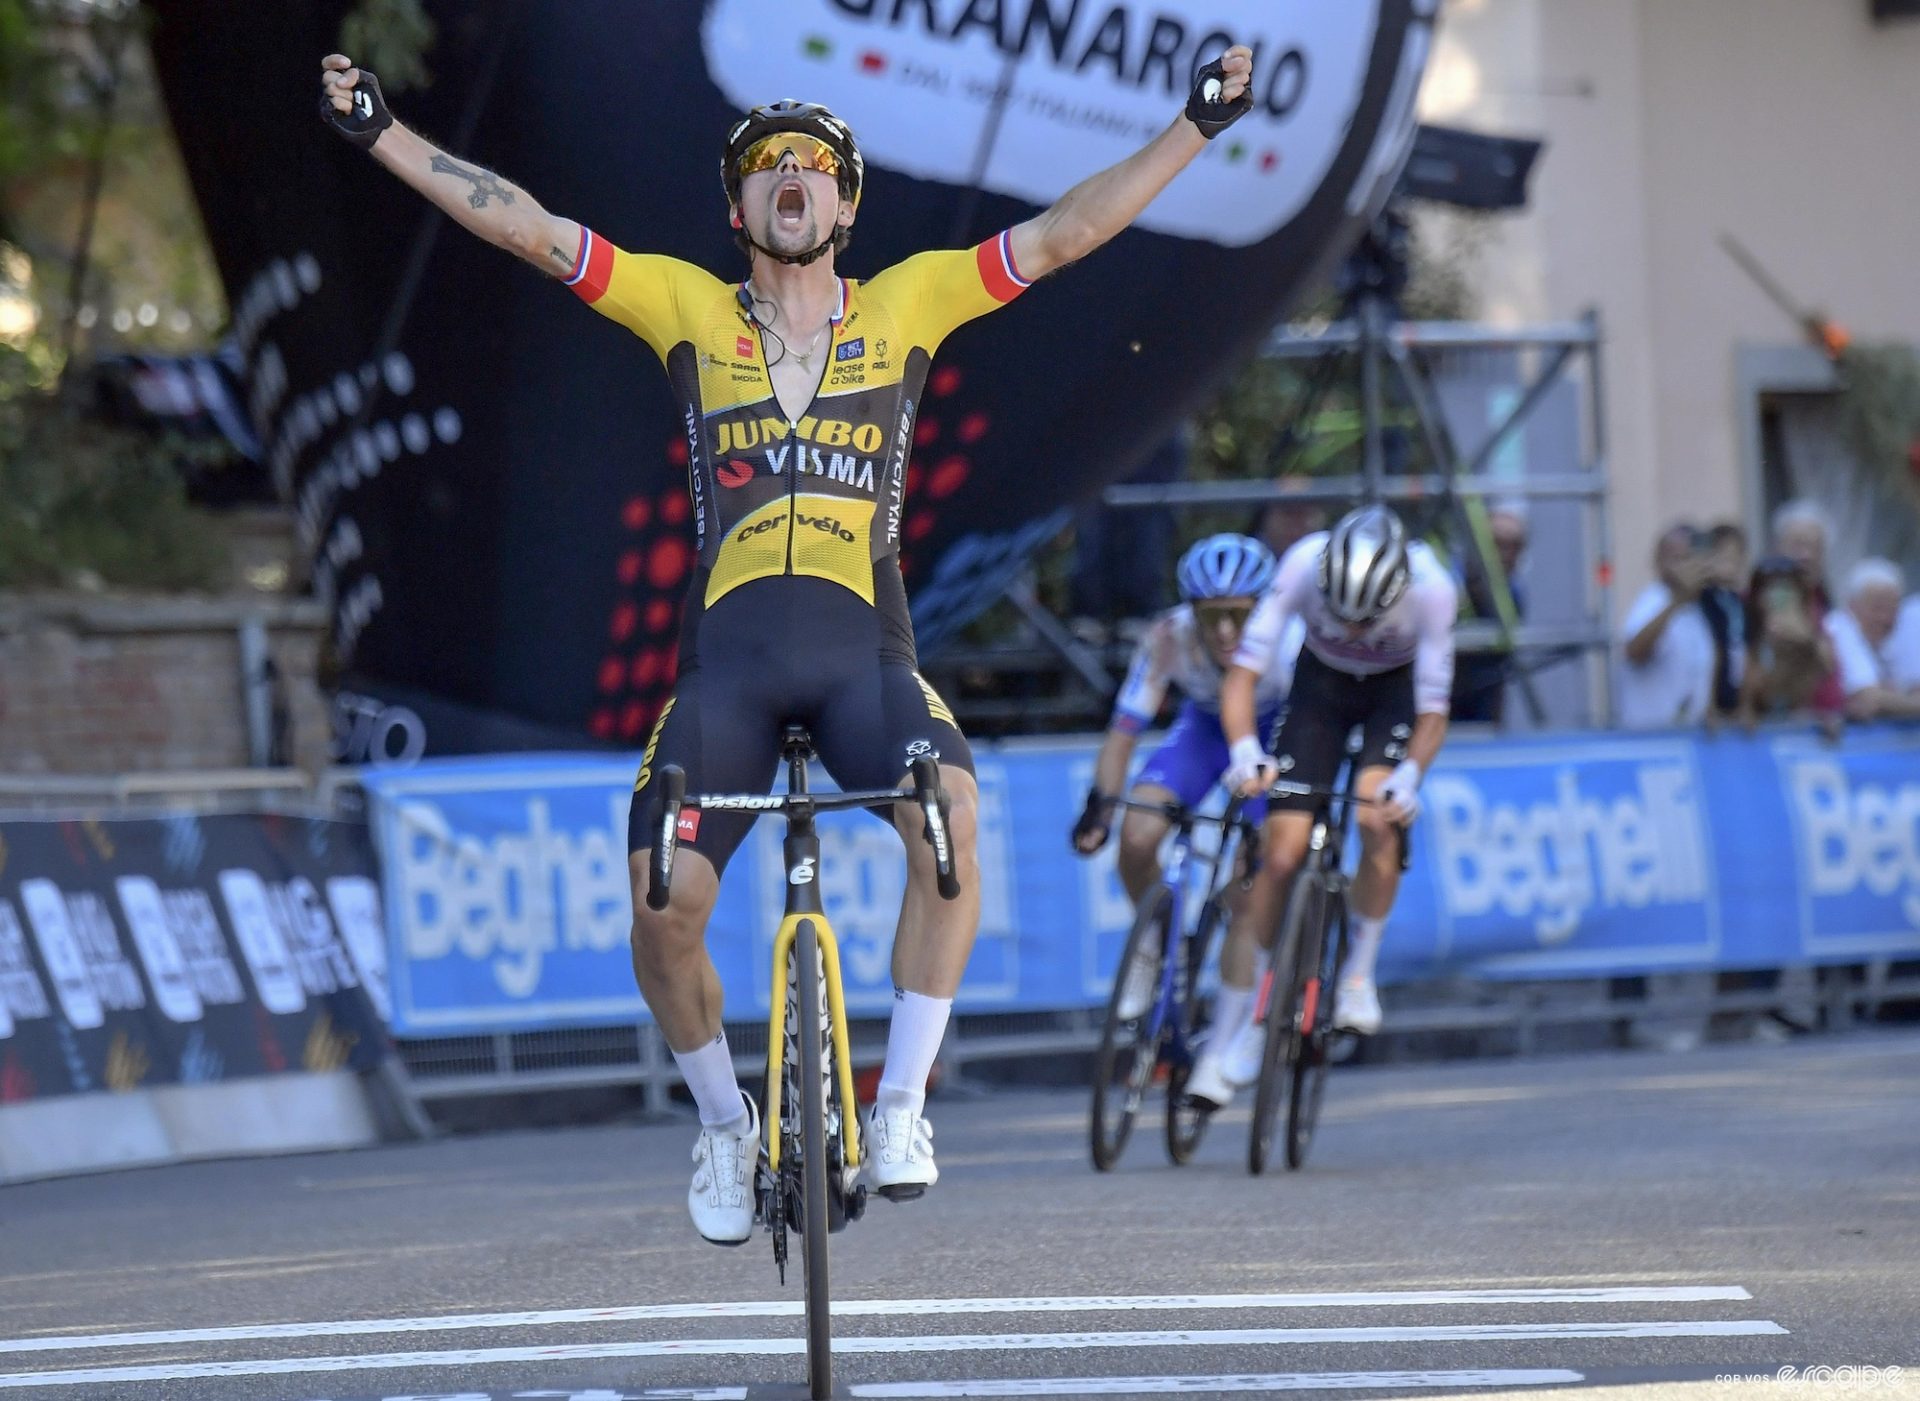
(797,389)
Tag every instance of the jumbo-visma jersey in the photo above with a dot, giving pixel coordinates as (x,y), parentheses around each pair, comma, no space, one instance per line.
(822,495)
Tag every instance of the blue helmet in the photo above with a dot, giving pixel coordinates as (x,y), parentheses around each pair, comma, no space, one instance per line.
(1225,566)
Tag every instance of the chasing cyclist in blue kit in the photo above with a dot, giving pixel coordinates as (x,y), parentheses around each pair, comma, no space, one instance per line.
(1189,647)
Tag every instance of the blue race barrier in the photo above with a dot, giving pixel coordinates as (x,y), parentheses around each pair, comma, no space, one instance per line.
(1562,856)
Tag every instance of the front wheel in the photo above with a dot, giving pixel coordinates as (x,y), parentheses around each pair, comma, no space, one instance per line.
(1316,1037)
(814,1224)
(1129,1045)
(1296,960)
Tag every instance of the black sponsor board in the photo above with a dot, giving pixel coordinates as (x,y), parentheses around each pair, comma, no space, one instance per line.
(185,950)
(493,479)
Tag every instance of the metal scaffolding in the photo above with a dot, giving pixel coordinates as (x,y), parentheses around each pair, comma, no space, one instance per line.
(1392,360)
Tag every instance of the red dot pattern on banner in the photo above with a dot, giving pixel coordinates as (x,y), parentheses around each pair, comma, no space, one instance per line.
(625,616)
(672,561)
(652,569)
(947,477)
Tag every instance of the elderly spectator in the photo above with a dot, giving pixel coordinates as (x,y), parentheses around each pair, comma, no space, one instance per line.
(1904,648)
(1480,678)
(1862,632)
(1667,678)
(1801,534)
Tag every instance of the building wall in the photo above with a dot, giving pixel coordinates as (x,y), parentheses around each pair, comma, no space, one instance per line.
(95,687)
(1787,123)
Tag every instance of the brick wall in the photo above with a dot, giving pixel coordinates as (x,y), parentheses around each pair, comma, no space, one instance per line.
(97,686)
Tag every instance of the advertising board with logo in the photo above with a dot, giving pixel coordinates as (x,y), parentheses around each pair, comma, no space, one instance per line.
(185,950)
(1571,856)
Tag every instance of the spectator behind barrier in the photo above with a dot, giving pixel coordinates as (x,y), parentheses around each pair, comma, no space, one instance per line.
(1480,679)
(1723,601)
(1666,677)
(1863,636)
(1790,661)
(1905,646)
(1802,532)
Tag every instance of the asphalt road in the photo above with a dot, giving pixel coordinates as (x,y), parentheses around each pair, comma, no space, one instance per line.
(1633,1221)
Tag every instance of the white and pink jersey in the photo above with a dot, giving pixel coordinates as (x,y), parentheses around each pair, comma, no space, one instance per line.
(1172,651)
(1417,629)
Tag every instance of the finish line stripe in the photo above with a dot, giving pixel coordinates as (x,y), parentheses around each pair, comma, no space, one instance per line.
(879,1308)
(1272,1381)
(938,1342)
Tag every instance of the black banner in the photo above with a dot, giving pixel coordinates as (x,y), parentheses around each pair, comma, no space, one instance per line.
(491,477)
(185,950)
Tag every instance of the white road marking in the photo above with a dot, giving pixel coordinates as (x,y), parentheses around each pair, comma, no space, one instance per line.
(928,1343)
(878,1308)
(1479,1380)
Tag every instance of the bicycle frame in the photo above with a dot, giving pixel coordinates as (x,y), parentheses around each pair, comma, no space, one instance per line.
(801,851)
(1177,878)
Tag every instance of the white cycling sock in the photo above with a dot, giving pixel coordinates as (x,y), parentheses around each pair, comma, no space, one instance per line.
(709,1075)
(1232,1014)
(913,1041)
(1363,946)
(1262,964)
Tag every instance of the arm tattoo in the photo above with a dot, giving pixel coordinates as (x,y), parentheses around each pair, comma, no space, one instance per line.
(564,259)
(485,186)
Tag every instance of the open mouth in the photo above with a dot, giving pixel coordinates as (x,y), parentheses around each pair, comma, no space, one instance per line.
(790,203)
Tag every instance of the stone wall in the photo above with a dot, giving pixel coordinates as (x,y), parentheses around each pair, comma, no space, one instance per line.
(106,686)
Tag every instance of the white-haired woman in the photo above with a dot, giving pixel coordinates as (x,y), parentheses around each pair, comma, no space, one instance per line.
(1863,633)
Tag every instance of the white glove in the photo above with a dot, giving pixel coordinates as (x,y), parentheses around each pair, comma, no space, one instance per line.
(1247,763)
(1401,792)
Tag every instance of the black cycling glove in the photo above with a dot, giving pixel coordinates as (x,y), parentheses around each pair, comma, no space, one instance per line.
(369,117)
(1210,114)
(1093,820)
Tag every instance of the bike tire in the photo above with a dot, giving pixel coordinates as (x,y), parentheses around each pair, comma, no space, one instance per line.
(1129,1047)
(1291,958)
(1310,1066)
(1186,1121)
(814,1227)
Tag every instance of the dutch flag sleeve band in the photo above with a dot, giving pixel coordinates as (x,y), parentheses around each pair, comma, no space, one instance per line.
(997,271)
(593,266)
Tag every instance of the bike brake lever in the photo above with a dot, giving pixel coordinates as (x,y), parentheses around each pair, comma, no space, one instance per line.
(673,791)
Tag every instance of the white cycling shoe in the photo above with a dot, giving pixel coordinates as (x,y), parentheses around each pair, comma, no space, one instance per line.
(1356,1006)
(1241,1062)
(721,1197)
(899,1153)
(1208,1083)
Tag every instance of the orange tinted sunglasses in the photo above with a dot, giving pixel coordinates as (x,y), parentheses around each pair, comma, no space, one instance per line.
(810,151)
